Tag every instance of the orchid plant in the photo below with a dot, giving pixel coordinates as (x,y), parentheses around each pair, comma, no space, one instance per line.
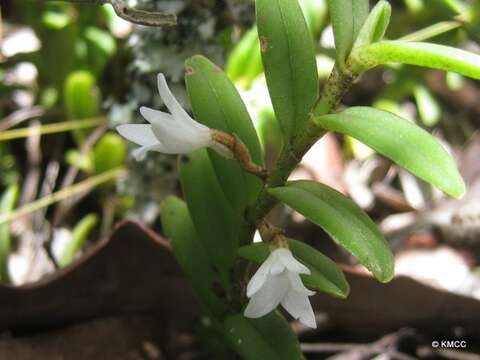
(228,191)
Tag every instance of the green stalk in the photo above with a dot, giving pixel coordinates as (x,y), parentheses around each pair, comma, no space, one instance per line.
(53,128)
(7,203)
(335,88)
(63,194)
(432,31)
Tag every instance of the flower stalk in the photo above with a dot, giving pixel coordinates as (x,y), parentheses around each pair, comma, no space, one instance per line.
(272,234)
(239,152)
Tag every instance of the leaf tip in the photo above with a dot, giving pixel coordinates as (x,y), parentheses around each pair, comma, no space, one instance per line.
(456,187)
(460,190)
(344,292)
(192,61)
(386,274)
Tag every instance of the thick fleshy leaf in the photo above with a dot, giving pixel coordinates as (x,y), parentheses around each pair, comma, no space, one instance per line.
(80,95)
(7,204)
(428,107)
(101,46)
(343,220)
(315,12)
(268,338)
(376,24)
(402,141)
(79,236)
(347,17)
(325,274)
(109,153)
(81,98)
(416,53)
(216,222)
(217,104)
(244,63)
(289,61)
(189,251)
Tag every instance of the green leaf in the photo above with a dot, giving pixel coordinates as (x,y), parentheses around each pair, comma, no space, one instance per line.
(79,235)
(428,107)
(402,141)
(189,251)
(217,104)
(456,6)
(343,220)
(325,274)
(244,63)
(109,152)
(268,338)
(56,20)
(7,204)
(315,12)
(216,223)
(75,158)
(102,40)
(289,61)
(58,36)
(101,47)
(81,95)
(269,131)
(347,17)
(416,53)
(376,24)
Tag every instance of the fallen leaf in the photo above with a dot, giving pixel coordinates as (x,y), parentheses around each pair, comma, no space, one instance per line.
(132,272)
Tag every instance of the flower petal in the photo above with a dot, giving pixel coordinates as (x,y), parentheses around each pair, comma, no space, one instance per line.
(160,120)
(298,305)
(277,266)
(268,297)
(140,153)
(140,134)
(258,279)
(172,104)
(177,137)
(152,115)
(297,284)
(291,263)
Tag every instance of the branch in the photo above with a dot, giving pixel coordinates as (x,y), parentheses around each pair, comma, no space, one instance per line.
(140,17)
(336,86)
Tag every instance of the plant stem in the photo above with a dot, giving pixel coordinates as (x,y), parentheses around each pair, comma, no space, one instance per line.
(63,194)
(335,88)
(136,16)
(432,31)
(53,128)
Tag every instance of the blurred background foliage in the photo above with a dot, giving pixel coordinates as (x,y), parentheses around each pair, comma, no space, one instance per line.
(71,72)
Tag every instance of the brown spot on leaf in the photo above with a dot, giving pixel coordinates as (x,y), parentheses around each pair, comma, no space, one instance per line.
(189,70)
(263,43)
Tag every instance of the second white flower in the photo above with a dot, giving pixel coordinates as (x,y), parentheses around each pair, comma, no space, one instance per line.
(277,281)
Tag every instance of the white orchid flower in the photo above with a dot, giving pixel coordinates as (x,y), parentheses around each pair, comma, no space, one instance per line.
(277,281)
(174,133)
